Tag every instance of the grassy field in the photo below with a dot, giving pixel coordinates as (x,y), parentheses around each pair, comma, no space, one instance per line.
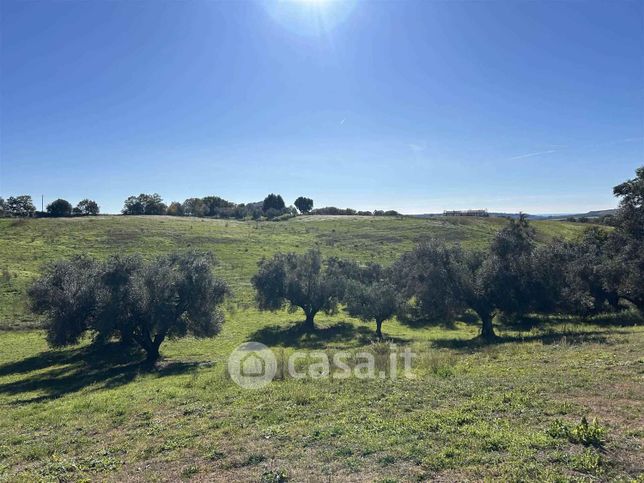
(26,244)
(510,411)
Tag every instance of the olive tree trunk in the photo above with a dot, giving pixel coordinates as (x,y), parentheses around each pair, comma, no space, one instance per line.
(379,329)
(487,328)
(309,325)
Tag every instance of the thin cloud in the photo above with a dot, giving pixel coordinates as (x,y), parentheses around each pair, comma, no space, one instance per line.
(538,153)
(560,147)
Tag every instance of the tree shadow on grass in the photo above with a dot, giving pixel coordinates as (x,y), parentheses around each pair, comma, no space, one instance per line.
(468,318)
(547,337)
(626,318)
(67,371)
(297,336)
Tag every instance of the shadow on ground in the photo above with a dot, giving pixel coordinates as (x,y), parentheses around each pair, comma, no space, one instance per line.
(296,335)
(66,371)
(626,318)
(569,337)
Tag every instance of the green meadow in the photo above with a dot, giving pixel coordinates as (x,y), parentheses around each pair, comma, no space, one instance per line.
(508,411)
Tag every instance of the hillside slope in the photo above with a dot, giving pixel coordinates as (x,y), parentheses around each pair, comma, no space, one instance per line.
(465,412)
(25,245)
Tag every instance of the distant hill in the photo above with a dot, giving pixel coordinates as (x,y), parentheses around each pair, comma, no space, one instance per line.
(543,216)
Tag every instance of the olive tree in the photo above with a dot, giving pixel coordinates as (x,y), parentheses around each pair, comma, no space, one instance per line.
(501,279)
(67,293)
(630,216)
(303,281)
(370,294)
(140,302)
(583,288)
(431,279)
(439,282)
(624,268)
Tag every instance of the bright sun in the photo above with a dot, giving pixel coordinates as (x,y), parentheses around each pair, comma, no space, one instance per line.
(310,17)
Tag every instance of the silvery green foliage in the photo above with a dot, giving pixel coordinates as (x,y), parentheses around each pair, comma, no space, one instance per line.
(124,296)
(305,281)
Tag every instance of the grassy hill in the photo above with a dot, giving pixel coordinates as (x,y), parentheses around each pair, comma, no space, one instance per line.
(26,244)
(510,411)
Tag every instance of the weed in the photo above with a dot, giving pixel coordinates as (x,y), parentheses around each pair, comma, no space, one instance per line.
(588,434)
(592,434)
(588,461)
(274,476)
(189,471)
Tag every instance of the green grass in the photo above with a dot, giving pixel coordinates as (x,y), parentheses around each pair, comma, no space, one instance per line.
(26,244)
(510,411)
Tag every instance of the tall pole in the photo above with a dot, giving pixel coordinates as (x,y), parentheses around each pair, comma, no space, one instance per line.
(42,203)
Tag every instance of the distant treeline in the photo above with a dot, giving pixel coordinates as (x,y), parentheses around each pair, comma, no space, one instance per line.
(608,220)
(23,206)
(272,208)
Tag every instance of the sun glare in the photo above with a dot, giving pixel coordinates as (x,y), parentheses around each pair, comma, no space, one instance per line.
(310,17)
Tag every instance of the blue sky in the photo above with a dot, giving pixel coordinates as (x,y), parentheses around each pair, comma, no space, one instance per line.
(414,106)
